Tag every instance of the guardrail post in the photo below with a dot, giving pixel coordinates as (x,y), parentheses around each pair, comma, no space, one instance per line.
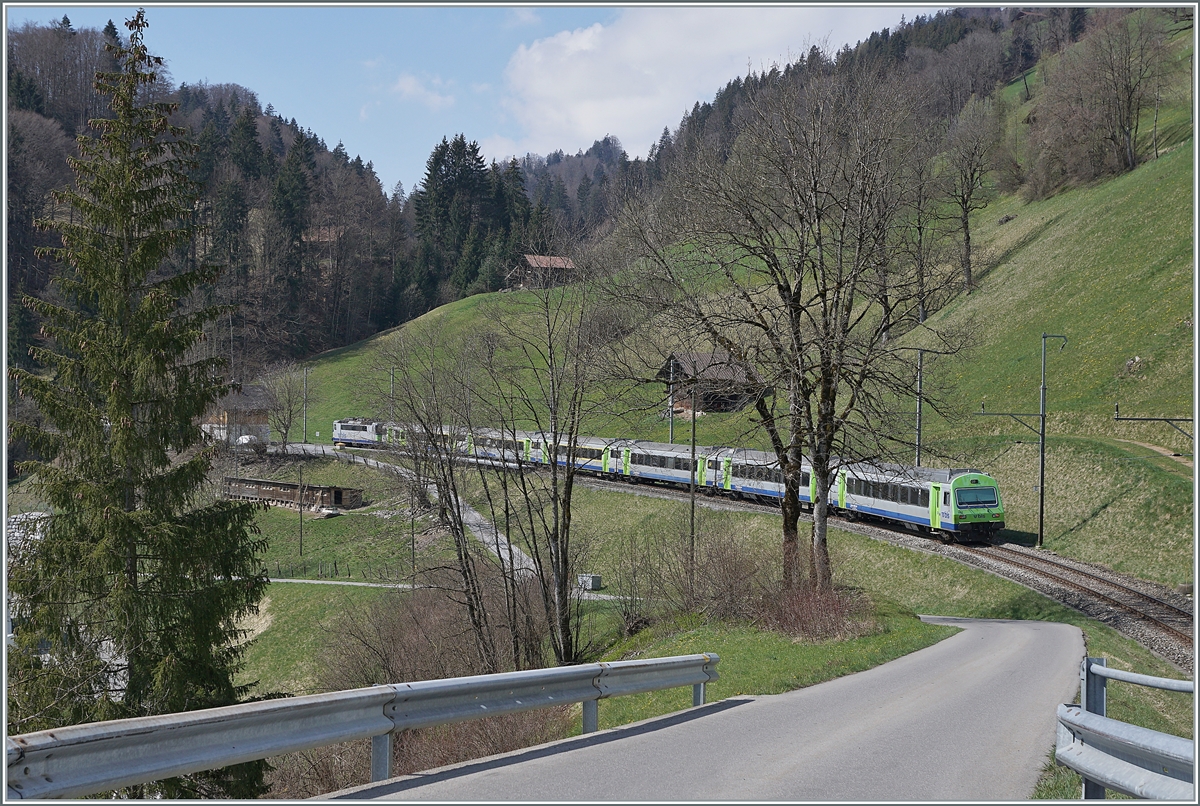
(698,694)
(381,757)
(591,716)
(1093,696)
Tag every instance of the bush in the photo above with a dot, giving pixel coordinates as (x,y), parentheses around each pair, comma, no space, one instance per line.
(425,634)
(735,579)
(816,615)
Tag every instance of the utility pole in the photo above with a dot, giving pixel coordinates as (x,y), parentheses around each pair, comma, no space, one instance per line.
(692,488)
(300,507)
(305,405)
(1040,431)
(1042,440)
(671,405)
(920,367)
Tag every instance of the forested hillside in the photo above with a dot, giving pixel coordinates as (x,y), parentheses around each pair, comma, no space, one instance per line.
(318,255)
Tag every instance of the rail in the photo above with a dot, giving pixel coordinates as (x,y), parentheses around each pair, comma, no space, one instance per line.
(82,760)
(1110,754)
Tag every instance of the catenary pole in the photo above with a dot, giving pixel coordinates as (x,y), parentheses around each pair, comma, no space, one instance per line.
(1042,442)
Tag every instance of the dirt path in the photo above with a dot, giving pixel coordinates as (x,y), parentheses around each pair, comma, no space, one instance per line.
(1170,454)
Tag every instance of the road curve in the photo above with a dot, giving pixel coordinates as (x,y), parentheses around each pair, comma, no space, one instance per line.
(970,718)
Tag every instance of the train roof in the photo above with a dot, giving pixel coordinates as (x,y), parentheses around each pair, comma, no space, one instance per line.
(934,474)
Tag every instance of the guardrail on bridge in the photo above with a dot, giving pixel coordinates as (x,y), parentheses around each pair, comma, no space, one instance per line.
(85,759)
(1126,758)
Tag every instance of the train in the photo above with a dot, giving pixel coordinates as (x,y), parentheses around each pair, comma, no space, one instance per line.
(953,504)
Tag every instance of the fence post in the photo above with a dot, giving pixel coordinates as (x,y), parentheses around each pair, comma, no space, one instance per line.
(1093,695)
(381,757)
(591,716)
(698,694)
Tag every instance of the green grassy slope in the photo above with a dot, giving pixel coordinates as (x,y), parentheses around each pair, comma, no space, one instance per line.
(1110,267)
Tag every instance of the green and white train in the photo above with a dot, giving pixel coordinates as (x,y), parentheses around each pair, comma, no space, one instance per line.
(960,504)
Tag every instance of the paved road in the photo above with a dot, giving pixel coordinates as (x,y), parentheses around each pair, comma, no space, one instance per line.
(971,718)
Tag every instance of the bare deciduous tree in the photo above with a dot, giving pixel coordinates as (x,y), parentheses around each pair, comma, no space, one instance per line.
(972,137)
(783,256)
(287,393)
(1123,58)
(430,397)
(541,361)
(1087,120)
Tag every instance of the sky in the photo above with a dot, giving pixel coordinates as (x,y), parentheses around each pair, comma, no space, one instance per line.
(390,81)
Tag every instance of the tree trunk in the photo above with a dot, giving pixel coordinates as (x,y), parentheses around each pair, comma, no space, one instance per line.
(820,569)
(968,280)
(790,507)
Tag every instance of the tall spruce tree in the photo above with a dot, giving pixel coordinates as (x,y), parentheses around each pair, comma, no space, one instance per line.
(129,593)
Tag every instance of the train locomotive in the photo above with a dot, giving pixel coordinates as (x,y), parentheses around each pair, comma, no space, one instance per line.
(955,504)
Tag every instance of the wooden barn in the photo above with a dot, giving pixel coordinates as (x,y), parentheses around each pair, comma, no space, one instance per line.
(541,271)
(720,384)
(288,494)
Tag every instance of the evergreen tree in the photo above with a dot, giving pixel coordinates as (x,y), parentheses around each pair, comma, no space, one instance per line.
(244,149)
(129,597)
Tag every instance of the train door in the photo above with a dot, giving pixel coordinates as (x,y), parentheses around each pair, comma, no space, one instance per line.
(701,470)
(525,446)
(841,489)
(625,458)
(605,458)
(727,472)
(935,501)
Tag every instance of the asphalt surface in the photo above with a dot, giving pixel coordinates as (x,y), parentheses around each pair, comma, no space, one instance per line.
(971,718)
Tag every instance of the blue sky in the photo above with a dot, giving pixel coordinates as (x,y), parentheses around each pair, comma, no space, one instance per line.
(390,81)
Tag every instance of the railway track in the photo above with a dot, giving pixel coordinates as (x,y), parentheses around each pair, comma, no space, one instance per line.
(1111,596)
(1155,617)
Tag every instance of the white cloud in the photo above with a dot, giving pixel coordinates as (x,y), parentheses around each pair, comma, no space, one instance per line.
(364,112)
(648,68)
(520,17)
(411,88)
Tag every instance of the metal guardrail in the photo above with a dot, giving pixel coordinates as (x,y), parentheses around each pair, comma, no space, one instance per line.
(81,760)
(1125,758)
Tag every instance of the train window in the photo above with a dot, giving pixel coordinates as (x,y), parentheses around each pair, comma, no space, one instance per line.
(712,465)
(924,500)
(946,498)
(976,497)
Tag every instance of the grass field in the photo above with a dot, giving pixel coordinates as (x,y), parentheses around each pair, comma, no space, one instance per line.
(296,623)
